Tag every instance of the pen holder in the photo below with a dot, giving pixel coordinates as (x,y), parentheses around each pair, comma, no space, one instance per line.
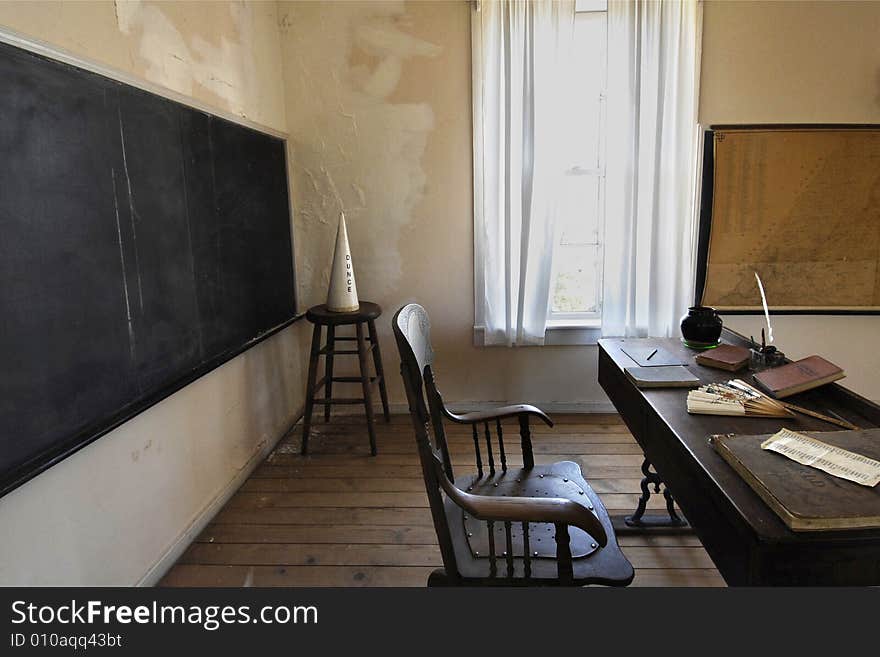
(765,357)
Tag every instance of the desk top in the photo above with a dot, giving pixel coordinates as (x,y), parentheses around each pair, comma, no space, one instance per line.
(692,431)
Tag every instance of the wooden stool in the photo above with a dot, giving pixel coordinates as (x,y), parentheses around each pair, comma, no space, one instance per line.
(320,316)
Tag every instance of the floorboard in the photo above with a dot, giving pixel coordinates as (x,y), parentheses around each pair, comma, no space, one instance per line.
(339,517)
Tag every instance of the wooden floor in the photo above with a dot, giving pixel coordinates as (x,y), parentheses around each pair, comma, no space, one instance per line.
(339,517)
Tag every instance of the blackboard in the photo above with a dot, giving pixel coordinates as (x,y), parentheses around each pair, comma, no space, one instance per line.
(142,244)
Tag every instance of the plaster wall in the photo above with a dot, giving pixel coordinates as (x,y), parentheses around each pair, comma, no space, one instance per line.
(799,62)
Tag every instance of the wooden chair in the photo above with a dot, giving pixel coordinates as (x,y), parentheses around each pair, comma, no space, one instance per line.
(538,525)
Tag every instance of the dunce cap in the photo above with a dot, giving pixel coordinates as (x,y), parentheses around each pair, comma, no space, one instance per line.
(342,296)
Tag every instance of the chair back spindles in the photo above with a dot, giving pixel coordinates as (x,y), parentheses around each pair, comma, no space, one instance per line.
(501,445)
(526,440)
(477,451)
(493,567)
(437,411)
(508,553)
(563,553)
(489,451)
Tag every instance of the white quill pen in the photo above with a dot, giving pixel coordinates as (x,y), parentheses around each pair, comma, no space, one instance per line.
(766,310)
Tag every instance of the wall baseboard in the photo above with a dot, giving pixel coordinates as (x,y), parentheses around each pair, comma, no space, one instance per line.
(593,406)
(157,571)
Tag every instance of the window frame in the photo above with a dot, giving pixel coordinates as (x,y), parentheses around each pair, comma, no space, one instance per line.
(565,328)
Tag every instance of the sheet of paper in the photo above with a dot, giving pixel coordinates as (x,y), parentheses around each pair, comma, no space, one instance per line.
(828,458)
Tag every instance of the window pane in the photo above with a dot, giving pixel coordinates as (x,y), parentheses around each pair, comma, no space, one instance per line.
(591,5)
(578,259)
(579,213)
(587,88)
(576,288)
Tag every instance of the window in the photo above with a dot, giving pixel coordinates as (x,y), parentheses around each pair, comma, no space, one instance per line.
(549,85)
(576,293)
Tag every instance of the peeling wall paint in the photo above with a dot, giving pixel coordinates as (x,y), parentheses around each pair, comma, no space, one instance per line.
(355,147)
(220,53)
(224,70)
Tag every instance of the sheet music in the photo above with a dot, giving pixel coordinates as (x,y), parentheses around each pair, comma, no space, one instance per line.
(828,458)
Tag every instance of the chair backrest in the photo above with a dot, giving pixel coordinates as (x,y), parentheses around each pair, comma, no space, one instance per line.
(412,331)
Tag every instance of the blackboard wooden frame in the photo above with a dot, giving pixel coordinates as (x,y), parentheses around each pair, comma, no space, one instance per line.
(707,186)
(29,469)
(46,460)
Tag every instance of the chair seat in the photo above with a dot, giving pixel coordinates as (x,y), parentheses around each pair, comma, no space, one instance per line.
(591,564)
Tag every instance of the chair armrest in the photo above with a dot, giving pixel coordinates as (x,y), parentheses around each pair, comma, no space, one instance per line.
(555,510)
(499,413)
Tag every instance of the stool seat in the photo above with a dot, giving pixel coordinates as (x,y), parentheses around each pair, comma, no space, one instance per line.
(321,317)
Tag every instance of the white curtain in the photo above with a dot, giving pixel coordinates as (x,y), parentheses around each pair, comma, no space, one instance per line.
(650,226)
(521,58)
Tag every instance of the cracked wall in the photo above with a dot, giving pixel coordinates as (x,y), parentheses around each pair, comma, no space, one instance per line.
(357,140)
(220,53)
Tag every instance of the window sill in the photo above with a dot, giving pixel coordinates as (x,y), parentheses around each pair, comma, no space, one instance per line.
(573,333)
(559,333)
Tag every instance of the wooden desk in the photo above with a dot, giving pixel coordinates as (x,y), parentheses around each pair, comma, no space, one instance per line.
(748,542)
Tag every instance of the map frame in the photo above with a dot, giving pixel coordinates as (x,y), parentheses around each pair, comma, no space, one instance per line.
(707,211)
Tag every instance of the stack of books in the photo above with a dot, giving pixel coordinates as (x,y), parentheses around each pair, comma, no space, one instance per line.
(734,398)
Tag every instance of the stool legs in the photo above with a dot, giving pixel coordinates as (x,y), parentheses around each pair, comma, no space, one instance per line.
(328,370)
(365,384)
(310,388)
(377,362)
(365,343)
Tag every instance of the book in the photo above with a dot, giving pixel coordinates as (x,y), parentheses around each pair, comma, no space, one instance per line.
(674,376)
(807,499)
(801,375)
(734,398)
(725,357)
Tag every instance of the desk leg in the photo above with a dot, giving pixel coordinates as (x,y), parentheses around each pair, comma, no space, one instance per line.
(639,522)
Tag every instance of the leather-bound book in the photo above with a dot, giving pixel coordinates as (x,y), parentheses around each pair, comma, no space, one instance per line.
(805,498)
(724,357)
(804,374)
